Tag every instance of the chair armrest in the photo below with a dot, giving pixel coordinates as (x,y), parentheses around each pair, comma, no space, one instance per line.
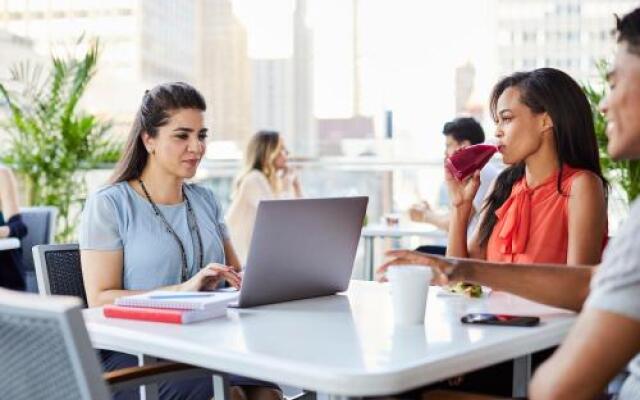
(126,378)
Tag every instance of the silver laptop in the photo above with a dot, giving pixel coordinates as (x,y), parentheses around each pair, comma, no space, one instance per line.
(301,248)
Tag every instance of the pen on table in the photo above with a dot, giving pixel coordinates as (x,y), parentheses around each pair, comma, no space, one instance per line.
(180,296)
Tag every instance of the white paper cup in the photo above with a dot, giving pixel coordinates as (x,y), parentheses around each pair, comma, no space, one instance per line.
(409,291)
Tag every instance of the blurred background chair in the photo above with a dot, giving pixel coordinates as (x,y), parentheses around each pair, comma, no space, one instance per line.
(58,270)
(41,226)
(45,353)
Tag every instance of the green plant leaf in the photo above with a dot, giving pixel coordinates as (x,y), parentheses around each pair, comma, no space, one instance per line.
(50,140)
(625,173)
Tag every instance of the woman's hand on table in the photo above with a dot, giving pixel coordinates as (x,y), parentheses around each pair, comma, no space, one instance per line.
(210,276)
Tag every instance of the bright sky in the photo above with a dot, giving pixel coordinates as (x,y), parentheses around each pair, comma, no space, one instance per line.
(408,54)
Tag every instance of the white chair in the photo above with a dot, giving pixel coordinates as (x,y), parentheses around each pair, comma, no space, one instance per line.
(45,353)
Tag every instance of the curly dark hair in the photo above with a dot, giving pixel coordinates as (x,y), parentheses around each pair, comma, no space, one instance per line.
(628,30)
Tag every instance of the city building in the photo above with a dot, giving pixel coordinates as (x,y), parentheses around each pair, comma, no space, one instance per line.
(138,48)
(464,85)
(304,139)
(203,45)
(282,90)
(333,131)
(224,70)
(273,96)
(572,35)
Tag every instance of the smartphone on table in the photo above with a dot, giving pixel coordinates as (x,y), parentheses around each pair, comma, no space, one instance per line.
(500,319)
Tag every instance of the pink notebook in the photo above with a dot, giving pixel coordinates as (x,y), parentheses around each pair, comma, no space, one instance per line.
(173,316)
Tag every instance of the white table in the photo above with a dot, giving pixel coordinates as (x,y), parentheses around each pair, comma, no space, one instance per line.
(372,231)
(345,346)
(9,243)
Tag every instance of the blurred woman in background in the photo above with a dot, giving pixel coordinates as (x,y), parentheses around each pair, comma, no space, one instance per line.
(266,176)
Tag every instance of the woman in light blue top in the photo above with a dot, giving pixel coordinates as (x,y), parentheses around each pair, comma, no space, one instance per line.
(150,230)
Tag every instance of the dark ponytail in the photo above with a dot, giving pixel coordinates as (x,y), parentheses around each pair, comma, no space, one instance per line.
(501,191)
(556,93)
(153,113)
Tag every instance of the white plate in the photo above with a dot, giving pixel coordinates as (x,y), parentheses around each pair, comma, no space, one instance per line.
(443,292)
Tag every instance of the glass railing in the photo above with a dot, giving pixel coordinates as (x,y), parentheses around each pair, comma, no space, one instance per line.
(391,185)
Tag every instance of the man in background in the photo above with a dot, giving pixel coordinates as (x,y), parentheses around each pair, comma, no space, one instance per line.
(459,133)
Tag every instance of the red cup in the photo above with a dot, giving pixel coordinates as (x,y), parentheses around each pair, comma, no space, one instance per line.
(466,161)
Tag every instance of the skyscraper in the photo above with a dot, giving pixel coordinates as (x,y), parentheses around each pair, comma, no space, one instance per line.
(272,96)
(572,35)
(224,72)
(146,42)
(465,75)
(282,90)
(138,47)
(305,140)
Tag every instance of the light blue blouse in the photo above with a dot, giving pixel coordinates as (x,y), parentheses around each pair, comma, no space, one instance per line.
(117,217)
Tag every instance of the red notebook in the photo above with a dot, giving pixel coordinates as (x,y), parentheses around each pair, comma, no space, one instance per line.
(173,316)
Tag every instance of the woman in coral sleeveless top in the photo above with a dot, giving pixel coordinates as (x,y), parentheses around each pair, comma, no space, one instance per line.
(533,224)
(549,205)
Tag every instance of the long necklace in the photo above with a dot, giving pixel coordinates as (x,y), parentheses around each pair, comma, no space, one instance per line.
(190,215)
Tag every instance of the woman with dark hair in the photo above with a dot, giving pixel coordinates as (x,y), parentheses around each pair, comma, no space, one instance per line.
(266,175)
(11,225)
(151,230)
(549,205)
(603,341)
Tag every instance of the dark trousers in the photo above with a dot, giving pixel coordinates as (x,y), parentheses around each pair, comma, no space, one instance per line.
(185,389)
(10,277)
(496,380)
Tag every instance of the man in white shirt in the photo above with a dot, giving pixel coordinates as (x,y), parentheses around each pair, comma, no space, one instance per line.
(459,133)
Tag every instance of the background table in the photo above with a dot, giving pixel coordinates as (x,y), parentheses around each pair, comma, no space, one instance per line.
(345,345)
(373,231)
(9,243)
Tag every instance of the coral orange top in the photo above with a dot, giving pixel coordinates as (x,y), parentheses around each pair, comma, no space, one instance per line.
(532,224)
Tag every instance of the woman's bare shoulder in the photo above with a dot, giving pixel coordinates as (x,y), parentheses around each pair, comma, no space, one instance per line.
(586,183)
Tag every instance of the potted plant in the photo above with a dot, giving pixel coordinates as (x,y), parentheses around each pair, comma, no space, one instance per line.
(50,139)
(624,173)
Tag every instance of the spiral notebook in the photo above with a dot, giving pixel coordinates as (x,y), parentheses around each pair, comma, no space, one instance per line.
(173,316)
(180,300)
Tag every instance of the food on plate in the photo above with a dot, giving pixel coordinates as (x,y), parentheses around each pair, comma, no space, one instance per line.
(468,289)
